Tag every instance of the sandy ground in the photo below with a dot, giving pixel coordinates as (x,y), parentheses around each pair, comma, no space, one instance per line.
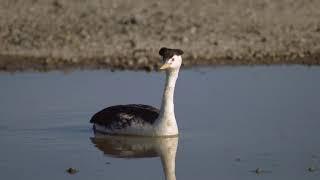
(126,34)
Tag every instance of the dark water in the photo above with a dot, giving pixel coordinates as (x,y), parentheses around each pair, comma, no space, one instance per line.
(231,120)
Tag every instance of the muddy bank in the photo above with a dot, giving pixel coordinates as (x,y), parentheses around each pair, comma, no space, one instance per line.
(123,34)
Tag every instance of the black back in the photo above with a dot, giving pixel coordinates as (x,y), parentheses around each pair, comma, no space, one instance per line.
(121,116)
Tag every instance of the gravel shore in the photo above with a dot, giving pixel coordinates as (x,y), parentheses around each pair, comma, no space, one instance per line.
(125,34)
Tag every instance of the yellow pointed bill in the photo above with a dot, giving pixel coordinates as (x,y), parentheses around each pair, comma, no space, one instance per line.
(165,66)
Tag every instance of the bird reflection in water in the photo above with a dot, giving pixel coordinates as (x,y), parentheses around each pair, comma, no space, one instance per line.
(141,147)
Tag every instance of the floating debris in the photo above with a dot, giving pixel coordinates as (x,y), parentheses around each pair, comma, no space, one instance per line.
(72,170)
(258,171)
(312,169)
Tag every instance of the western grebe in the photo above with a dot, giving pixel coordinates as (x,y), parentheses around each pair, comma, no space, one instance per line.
(144,120)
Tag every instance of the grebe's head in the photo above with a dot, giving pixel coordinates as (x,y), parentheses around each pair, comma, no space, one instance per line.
(171,58)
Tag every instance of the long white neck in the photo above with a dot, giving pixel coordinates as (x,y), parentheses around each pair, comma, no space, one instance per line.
(167,124)
(167,105)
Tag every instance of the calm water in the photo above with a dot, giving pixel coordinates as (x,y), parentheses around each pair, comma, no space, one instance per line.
(232,120)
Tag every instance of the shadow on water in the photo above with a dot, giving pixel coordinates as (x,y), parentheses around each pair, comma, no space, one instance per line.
(140,147)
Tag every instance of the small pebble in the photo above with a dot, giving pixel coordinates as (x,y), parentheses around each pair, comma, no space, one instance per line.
(193,30)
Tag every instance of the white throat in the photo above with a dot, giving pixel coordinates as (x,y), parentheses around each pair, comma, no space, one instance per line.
(166,123)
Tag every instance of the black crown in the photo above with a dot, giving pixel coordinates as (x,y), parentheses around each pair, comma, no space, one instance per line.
(167,53)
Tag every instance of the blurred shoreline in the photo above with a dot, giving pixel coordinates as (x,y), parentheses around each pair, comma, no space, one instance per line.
(122,34)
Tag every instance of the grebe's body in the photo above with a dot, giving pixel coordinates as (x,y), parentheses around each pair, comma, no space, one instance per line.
(144,120)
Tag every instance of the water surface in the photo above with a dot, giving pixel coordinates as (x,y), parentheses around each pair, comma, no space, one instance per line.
(232,120)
